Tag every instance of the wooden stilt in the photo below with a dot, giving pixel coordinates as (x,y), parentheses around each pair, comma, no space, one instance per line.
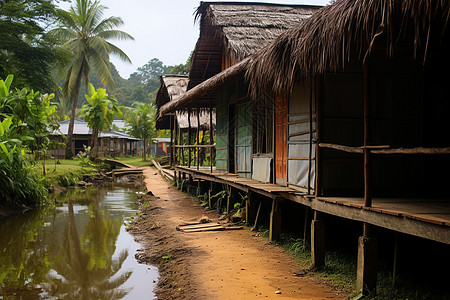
(305,228)
(317,241)
(366,273)
(275,221)
(257,216)
(394,267)
(209,194)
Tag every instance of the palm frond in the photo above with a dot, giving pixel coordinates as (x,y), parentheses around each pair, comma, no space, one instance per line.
(118,52)
(108,24)
(103,68)
(115,34)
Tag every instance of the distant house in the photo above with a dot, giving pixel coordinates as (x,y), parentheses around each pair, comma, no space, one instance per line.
(112,142)
(161,146)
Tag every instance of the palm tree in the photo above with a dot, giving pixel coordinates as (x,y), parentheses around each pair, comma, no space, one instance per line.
(85,33)
(99,113)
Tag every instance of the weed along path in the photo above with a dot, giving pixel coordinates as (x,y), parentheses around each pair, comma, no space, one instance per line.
(228,264)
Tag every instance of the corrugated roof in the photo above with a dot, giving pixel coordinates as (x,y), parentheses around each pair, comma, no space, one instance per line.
(81,128)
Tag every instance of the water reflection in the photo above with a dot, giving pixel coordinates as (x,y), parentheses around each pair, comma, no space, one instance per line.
(75,251)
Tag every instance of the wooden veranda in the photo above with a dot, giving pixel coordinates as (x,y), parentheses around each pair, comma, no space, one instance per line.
(418,217)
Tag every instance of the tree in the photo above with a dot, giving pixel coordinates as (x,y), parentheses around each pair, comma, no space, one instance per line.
(182,69)
(99,113)
(85,34)
(142,124)
(153,69)
(26,50)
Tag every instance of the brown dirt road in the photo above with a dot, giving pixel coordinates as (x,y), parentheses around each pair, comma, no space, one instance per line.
(217,264)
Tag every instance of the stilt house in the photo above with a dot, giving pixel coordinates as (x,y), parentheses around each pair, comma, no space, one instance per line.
(347,115)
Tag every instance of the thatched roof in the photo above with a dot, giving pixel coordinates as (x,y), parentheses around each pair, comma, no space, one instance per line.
(238,29)
(183,121)
(172,87)
(202,89)
(325,42)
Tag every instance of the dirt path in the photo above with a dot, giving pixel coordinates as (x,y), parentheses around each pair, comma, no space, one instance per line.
(217,264)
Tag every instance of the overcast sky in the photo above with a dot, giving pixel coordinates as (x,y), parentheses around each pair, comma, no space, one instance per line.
(163,29)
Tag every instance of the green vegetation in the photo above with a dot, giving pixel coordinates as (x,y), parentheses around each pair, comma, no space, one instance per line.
(99,113)
(24,115)
(26,50)
(167,258)
(84,34)
(142,123)
(134,161)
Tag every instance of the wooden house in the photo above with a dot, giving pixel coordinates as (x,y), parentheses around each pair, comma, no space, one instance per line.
(351,107)
(229,33)
(112,142)
(186,126)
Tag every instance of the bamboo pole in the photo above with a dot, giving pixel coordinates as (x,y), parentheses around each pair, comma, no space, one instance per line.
(211,138)
(171,139)
(318,185)
(310,136)
(198,137)
(189,136)
(367,160)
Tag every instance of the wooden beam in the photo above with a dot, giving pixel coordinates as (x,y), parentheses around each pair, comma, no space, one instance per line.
(189,136)
(367,134)
(211,137)
(198,137)
(402,224)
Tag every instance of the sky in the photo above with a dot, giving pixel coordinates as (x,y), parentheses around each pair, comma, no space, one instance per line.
(162,29)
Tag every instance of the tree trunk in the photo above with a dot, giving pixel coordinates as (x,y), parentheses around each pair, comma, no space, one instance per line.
(69,152)
(94,138)
(145,158)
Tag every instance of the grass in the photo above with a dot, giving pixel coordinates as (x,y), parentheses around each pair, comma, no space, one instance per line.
(65,173)
(340,272)
(135,160)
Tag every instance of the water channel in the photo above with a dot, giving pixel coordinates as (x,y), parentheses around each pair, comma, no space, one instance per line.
(78,249)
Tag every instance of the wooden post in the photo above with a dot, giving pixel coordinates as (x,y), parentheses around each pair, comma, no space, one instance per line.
(171,140)
(305,228)
(318,186)
(228,201)
(198,137)
(317,241)
(209,194)
(367,183)
(257,216)
(189,137)
(366,273)
(394,267)
(211,137)
(275,220)
(310,136)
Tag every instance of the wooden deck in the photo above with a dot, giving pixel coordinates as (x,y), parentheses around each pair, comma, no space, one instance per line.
(426,218)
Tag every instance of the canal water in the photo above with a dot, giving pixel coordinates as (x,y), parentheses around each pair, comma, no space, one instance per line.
(78,249)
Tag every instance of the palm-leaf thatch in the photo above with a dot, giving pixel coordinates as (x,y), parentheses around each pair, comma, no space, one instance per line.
(172,87)
(327,40)
(195,94)
(183,121)
(238,30)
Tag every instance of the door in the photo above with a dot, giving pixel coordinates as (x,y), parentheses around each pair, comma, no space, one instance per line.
(281,112)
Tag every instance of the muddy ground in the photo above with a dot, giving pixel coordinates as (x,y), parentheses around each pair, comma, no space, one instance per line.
(230,264)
